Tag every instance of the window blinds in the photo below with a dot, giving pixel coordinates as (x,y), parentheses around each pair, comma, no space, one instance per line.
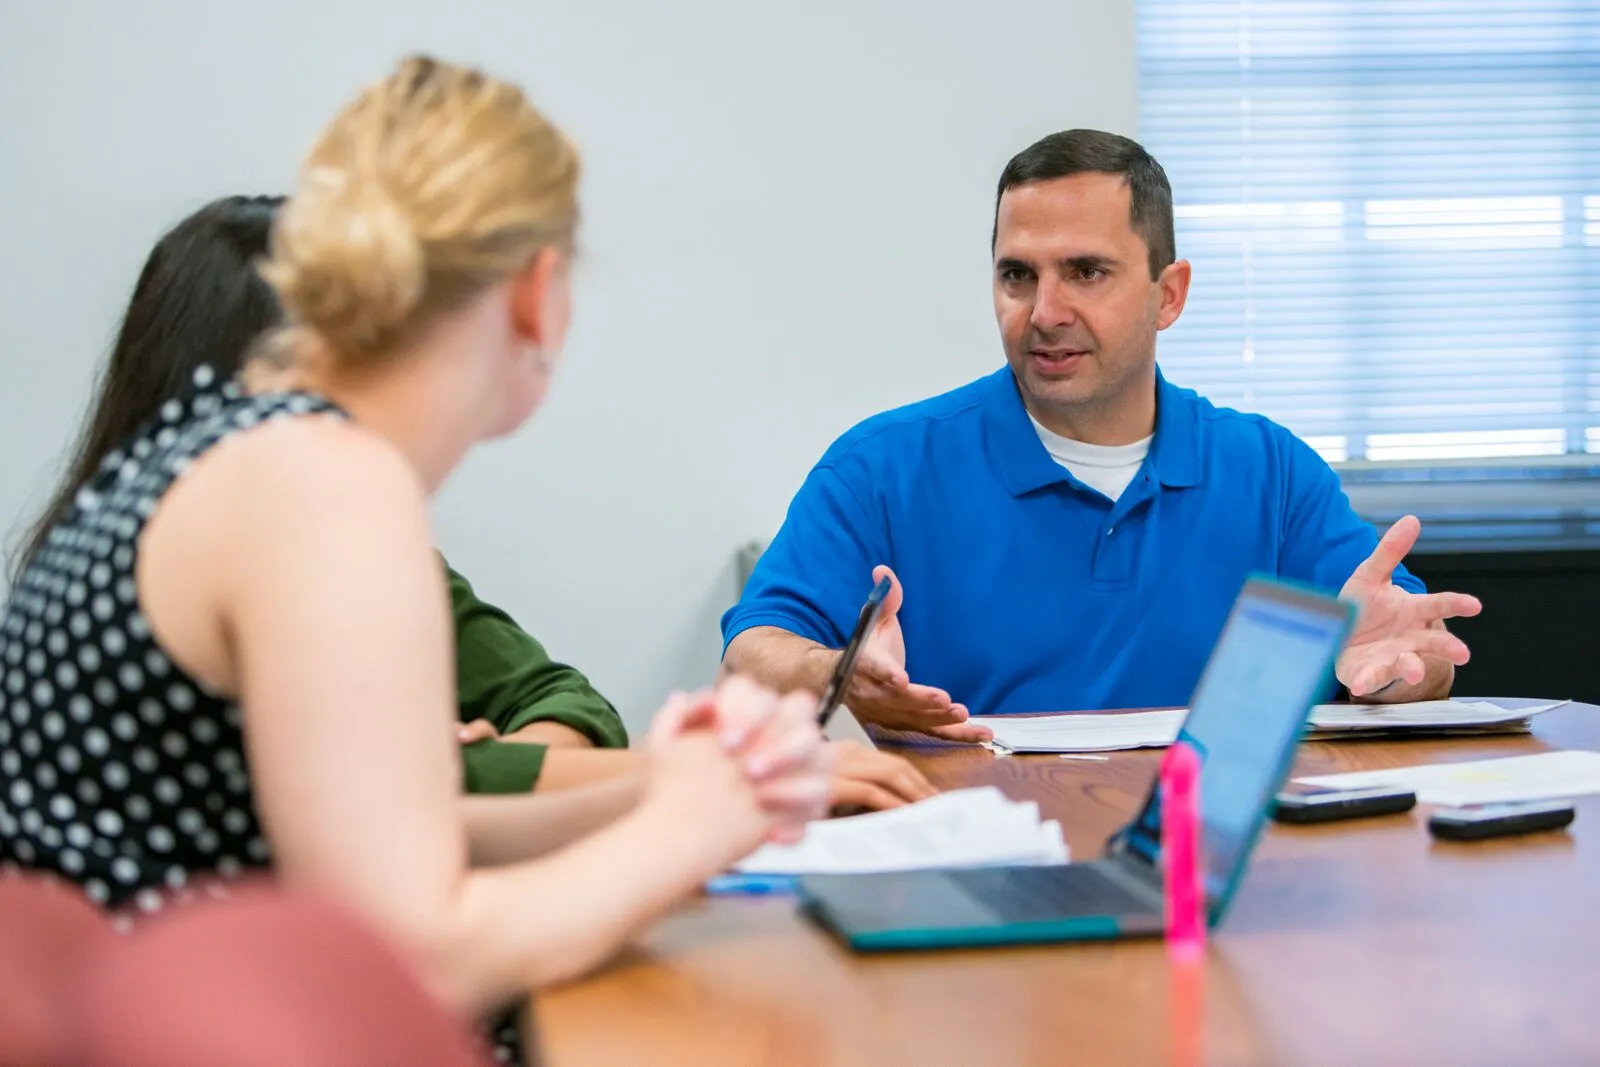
(1393,212)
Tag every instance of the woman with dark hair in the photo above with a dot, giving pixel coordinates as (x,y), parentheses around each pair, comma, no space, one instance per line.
(528,722)
(200,301)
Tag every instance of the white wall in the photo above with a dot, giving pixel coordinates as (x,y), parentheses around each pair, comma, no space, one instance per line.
(787,211)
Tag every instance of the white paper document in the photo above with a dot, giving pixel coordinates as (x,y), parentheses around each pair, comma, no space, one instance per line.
(1097,732)
(1085,732)
(961,828)
(1423,714)
(1545,776)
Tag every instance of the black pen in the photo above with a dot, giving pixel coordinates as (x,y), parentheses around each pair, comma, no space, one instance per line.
(834,693)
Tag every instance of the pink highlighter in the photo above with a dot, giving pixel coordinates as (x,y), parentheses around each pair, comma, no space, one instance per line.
(1180,852)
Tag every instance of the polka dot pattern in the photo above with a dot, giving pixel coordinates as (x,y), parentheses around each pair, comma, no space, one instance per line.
(117,770)
(120,772)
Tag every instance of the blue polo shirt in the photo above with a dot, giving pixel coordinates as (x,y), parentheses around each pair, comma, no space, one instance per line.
(1026,590)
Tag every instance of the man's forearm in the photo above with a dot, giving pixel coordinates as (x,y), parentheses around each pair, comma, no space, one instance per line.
(780,660)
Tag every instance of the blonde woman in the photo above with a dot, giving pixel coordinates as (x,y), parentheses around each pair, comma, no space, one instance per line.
(246,592)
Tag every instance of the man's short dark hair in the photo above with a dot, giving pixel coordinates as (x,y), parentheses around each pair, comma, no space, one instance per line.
(1070,152)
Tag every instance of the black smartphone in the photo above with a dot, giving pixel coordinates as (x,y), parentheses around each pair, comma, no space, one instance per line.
(1498,820)
(1304,803)
(834,693)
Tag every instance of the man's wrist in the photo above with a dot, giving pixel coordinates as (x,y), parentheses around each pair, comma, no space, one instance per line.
(818,667)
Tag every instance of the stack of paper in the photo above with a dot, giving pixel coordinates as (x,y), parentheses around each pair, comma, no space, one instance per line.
(1545,776)
(962,828)
(1157,729)
(1429,716)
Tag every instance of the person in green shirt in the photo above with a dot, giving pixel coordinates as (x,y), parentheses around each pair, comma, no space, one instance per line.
(527,722)
(506,683)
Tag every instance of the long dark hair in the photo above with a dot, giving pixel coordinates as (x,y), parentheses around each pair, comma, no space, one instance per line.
(198,301)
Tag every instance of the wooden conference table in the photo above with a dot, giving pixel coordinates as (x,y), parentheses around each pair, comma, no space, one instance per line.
(1365,942)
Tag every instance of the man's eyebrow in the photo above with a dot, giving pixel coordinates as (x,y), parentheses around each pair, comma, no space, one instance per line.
(1085,262)
(1091,262)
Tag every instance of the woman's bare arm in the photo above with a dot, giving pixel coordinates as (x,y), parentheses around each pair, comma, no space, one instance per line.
(302,551)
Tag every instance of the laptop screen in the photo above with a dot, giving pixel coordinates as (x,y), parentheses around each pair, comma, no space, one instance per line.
(1268,668)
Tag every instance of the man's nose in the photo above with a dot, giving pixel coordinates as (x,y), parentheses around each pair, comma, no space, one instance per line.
(1053,305)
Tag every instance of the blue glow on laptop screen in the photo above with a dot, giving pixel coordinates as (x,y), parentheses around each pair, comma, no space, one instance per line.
(1245,718)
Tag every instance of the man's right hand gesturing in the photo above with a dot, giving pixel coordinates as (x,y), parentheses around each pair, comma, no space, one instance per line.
(880,691)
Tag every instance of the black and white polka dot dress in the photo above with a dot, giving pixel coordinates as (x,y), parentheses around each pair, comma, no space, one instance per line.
(117,770)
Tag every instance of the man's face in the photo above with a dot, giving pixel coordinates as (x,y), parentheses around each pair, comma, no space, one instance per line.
(1077,309)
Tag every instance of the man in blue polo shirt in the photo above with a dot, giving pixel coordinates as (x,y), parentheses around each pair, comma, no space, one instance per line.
(1072,529)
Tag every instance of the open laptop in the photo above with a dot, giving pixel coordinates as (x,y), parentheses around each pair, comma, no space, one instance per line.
(1273,661)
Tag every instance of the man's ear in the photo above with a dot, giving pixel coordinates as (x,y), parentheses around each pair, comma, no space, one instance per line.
(530,292)
(1174,283)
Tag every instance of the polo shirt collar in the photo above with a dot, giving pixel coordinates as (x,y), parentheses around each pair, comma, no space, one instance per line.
(1023,466)
(1175,452)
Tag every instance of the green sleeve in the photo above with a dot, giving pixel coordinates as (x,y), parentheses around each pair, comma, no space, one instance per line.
(501,766)
(505,676)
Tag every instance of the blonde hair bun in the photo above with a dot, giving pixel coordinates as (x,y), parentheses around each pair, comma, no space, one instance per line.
(432,185)
(346,261)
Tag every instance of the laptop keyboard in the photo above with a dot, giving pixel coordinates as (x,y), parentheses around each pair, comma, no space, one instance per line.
(1039,894)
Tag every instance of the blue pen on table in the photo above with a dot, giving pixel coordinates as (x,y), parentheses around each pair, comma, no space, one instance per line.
(751,885)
